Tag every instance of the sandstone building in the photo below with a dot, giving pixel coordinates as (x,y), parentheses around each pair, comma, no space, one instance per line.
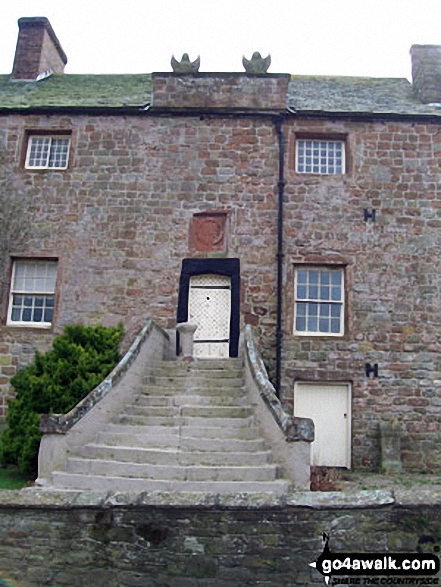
(307,206)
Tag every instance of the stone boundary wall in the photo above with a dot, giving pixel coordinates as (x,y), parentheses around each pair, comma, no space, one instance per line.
(121,540)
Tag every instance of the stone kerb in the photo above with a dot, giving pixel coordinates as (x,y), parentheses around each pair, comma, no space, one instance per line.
(290,437)
(65,434)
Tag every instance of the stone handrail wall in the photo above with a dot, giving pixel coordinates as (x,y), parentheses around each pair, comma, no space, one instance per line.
(61,423)
(293,428)
(289,437)
(65,435)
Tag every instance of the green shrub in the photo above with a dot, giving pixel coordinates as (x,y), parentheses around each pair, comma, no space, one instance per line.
(53,384)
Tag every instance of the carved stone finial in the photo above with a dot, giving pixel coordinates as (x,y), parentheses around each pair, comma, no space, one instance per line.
(257,64)
(185,65)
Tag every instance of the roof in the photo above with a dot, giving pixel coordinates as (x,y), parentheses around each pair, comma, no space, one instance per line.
(327,94)
(314,95)
(77,91)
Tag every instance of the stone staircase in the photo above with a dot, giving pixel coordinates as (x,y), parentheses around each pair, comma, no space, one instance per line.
(189,428)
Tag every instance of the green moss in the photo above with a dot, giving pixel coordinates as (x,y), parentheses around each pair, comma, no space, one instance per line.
(77,91)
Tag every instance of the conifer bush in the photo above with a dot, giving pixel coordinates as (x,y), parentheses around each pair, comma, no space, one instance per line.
(53,384)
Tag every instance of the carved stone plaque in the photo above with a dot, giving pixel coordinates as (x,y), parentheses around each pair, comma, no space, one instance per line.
(207,232)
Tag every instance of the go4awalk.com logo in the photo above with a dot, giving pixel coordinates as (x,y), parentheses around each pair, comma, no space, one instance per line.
(396,569)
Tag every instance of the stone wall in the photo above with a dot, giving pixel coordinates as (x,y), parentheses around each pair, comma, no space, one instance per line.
(132,541)
(393,292)
(118,221)
(226,91)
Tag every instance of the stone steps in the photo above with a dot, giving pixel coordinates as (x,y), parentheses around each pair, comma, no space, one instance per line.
(207,411)
(247,432)
(170,439)
(191,399)
(184,422)
(188,428)
(174,457)
(83,466)
(109,483)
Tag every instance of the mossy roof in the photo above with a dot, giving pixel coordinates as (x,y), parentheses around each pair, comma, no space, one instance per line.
(385,96)
(77,91)
(307,94)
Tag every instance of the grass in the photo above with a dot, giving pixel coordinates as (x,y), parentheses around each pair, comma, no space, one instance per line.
(13,479)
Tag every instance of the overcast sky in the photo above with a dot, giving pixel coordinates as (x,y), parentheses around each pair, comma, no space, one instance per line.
(317,37)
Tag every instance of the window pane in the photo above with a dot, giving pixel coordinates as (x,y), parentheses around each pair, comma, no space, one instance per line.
(35,276)
(302,276)
(32,308)
(312,323)
(335,326)
(48,314)
(336,277)
(313,276)
(335,311)
(325,310)
(324,292)
(300,324)
(322,157)
(313,292)
(325,277)
(301,292)
(18,300)
(15,316)
(38,150)
(48,152)
(59,153)
(39,302)
(27,315)
(33,280)
(324,325)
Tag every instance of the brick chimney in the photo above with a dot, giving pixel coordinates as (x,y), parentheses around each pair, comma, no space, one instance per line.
(38,50)
(426,72)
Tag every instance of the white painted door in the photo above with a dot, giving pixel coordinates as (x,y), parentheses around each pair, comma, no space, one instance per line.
(329,406)
(209,306)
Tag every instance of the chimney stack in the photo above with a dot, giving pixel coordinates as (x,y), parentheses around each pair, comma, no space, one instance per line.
(38,50)
(426,72)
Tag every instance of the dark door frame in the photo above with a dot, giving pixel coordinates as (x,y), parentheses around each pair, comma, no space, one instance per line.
(226,267)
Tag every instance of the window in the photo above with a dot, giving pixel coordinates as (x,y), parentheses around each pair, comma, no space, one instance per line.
(320,156)
(32,296)
(47,152)
(319,301)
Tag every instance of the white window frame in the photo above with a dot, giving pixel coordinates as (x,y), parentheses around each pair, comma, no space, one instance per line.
(319,302)
(36,297)
(45,158)
(319,156)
